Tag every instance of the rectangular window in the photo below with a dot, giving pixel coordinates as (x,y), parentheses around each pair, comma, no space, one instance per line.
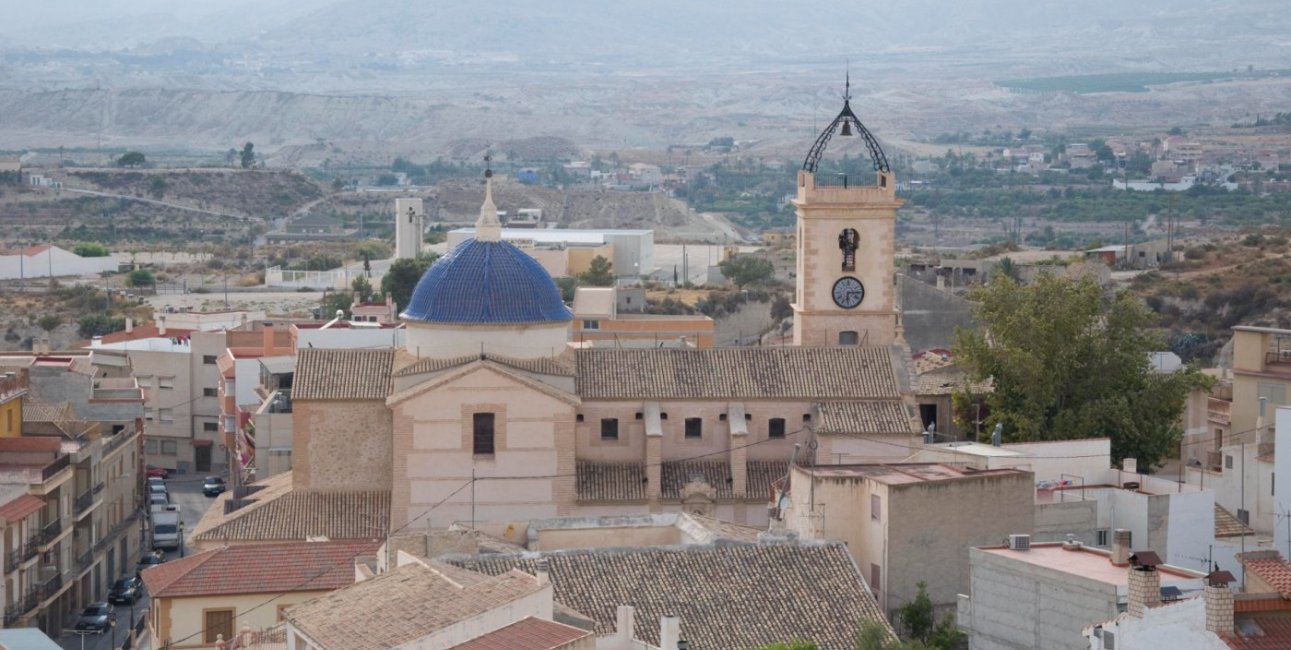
(806,418)
(210,392)
(578,417)
(591,324)
(775,428)
(848,337)
(208,359)
(483,433)
(876,578)
(609,428)
(1228,462)
(1102,538)
(144,381)
(166,415)
(149,446)
(876,507)
(169,448)
(210,426)
(694,428)
(166,383)
(217,623)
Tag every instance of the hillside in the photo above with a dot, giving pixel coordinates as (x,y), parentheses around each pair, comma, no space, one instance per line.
(1241,281)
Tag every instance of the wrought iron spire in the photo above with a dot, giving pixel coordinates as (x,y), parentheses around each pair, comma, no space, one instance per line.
(846,118)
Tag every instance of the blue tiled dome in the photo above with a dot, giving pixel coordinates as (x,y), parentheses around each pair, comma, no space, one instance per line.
(486,282)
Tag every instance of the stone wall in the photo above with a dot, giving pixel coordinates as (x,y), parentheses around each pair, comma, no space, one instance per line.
(341,445)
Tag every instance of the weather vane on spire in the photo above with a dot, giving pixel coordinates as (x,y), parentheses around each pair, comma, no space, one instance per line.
(847,85)
(488,167)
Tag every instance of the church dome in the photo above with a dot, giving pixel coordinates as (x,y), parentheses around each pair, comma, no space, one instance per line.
(486,282)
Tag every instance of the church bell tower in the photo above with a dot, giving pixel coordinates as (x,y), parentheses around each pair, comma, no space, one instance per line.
(846,238)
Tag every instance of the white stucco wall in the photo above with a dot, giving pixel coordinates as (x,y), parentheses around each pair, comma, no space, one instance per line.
(519,341)
(1190,529)
(1281,474)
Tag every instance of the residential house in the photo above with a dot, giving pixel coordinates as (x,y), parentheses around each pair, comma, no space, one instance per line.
(598,322)
(908,523)
(433,605)
(204,598)
(1042,595)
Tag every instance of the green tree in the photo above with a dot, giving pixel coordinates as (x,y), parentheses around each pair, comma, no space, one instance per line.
(567,286)
(248,155)
(49,322)
(157,187)
(362,288)
(780,308)
(141,278)
(599,273)
(403,275)
(744,270)
(1067,362)
(99,324)
(131,159)
(919,623)
(335,301)
(90,249)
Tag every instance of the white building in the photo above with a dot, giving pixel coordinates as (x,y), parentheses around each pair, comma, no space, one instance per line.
(633,250)
(44,260)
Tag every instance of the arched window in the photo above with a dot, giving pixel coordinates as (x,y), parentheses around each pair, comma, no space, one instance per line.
(848,241)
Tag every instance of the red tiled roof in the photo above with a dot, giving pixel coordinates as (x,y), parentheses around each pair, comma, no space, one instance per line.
(21,507)
(1271,568)
(259,568)
(1275,633)
(526,634)
(31,443)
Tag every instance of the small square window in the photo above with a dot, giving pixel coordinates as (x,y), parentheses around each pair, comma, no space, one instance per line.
(144,381)
(591,324)
(609,428)
(208,359)
(578,417)
(210,426)
(640,415)
(166,415)
(694,428)
(748,417)
(210,392)
(663,415)
(150,446)
(721,417)
(482,436)
(169,448)
(166,383)
(775,428)
(848,338)
(876,507)
(806,418)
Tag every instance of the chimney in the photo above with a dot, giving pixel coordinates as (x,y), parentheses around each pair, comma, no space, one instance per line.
(161,326)
(543,572)
(42,347)
(1120,547)
(624,626)
(1144,583)
(129,325)
(1219,603)
(268,336)
(669,632)
(1130,465)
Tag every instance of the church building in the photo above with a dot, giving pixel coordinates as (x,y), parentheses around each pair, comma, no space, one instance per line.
(490,414)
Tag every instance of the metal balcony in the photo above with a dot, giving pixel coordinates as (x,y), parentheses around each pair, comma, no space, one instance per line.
(98,487)
(55,467)
(83,503)
(51,586)
(84,560)
(51,531)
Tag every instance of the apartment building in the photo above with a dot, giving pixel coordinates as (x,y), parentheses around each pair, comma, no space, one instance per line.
(70,485)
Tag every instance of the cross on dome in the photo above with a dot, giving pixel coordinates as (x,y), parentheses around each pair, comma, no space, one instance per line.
(487,227)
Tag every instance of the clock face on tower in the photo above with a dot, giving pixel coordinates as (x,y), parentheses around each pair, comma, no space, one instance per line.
(848,292)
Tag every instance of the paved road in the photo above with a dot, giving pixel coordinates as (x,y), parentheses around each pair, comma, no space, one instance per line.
(185,492)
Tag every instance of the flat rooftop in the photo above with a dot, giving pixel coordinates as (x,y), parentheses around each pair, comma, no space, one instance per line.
(558,235)
(976,449)
(1086,562)
(904,473)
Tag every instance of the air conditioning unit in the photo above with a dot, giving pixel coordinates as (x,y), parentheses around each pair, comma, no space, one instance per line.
(1019,542)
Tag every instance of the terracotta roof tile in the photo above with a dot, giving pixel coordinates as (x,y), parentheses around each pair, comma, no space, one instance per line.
(258,569)
(887,416)
(627,481)
(610,481)
(1270,567)
(38,411)
(20,507)
(526,634)
(298,515)
(749,373)
(1226,525)
(404,605)
(1274,632)
(31,443)
(827,598)
(676,474)
(761,474)
(325,374)
(560,366)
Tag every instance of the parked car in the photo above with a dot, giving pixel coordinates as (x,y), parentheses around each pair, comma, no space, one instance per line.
(158,499)
(213,486)
(156,480)
(149,560)
(126,591)
(159,472)
(98,617)
(158,488)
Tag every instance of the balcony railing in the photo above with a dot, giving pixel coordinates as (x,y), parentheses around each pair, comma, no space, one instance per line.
(98,487)
(51,586)
(116,532)
(51,531)
(1277,356)
(55,467)
(84,560)
(21,605)
(83,502)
